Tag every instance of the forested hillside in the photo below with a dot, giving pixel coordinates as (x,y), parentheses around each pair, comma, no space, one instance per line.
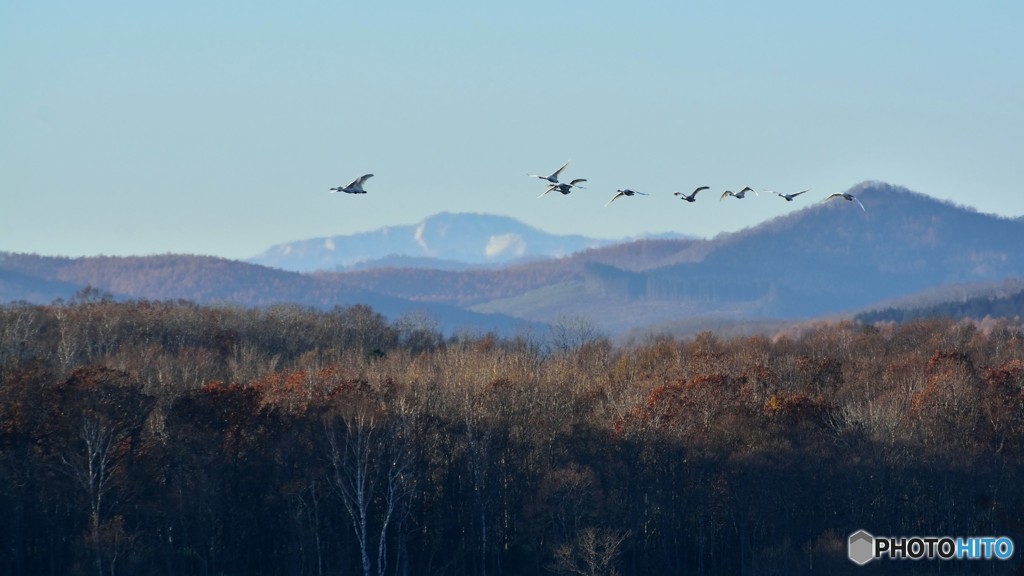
(978,307)
(469,287)
(169,438)
(209,280)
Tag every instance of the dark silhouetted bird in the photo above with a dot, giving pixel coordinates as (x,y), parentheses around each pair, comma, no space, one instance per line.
(693,196)
(741,194)
(563,187)
(553,178)
(624,192)
(847,196)
(356,187)
(789,197)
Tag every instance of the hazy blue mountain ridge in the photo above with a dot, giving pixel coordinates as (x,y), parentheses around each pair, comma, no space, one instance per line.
(442,240)
(834,256)
(210,280)
(820,259)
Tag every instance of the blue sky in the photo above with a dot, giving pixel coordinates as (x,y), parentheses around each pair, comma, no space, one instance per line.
(217,127)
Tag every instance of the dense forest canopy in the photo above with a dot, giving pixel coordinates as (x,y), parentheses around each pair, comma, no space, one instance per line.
(151,437)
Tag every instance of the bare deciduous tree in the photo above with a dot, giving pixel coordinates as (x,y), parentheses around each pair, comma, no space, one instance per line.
(593,552)
(105,416)
(370,471)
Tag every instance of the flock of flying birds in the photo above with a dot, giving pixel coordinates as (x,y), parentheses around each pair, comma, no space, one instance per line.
(554,185)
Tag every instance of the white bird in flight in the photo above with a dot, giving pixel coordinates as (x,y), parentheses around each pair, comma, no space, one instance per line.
(563,187)
(789,197)
(553,178)
(356,187)
(625,192)
(741,194)
(692,197)
(847,196)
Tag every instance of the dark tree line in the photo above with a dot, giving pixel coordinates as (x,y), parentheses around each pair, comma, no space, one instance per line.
(978,307)
(169,438)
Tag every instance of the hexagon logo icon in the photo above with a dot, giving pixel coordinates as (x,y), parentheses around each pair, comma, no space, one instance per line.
(861,547)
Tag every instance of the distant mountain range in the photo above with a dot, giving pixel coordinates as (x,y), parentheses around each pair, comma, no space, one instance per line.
(209,280)
(823,259)
(446,241)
